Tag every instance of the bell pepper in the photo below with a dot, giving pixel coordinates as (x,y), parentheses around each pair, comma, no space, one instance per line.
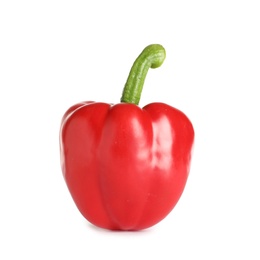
(125,166)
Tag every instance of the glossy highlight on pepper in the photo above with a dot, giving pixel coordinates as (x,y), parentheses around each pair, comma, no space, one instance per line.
(125,166)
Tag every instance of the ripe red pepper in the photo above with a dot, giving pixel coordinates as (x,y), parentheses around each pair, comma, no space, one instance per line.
(125,166)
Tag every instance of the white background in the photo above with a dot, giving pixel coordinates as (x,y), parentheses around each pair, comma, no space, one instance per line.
(54,54)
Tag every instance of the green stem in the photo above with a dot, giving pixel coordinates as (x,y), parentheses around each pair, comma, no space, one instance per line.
(151,57)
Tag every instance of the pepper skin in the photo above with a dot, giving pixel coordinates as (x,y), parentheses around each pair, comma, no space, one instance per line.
(125,166)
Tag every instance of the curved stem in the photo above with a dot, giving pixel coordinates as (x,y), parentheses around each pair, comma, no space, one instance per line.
(151,57)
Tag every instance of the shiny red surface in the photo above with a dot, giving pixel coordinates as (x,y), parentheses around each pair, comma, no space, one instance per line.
(125,166)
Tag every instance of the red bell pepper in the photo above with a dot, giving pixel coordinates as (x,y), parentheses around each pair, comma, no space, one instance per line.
(125,166)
